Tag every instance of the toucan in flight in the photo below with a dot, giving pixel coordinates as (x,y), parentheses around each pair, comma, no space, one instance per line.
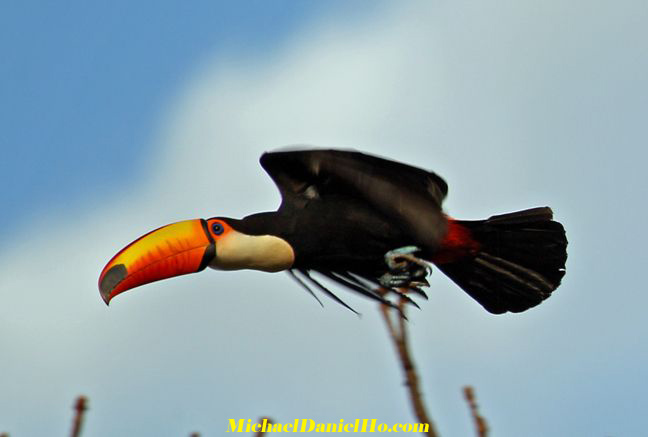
(369,224)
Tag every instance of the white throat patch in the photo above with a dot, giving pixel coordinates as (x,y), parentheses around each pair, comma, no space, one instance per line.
(236,251)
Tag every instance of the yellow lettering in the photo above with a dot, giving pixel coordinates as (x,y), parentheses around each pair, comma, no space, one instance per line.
(309,425)
(234,427)
(305,422)
(331,425)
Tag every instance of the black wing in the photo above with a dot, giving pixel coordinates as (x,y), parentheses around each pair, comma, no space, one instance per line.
(409,196)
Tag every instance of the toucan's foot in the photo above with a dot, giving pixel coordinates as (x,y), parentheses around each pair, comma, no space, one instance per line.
(417,280)
(405,269)
(393,257)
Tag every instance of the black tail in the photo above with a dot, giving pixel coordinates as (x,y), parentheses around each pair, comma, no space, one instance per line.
(521,260)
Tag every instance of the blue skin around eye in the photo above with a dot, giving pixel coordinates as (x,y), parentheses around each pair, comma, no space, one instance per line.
(217,228)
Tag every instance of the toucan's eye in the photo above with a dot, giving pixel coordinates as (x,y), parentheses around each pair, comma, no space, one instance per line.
(217,228)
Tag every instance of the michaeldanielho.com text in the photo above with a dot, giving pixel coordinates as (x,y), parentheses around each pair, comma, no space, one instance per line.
(309,425)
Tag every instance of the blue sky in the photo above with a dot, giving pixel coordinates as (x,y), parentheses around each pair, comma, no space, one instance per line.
(118,119)
(84,84)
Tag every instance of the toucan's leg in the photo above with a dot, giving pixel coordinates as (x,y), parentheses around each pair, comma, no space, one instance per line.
(405,269)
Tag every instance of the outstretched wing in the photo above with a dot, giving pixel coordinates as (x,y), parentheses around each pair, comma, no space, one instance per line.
(409,196)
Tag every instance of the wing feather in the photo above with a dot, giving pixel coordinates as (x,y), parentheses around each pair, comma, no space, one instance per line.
(408,196)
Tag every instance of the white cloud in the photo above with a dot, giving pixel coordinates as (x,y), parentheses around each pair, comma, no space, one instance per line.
(464,89)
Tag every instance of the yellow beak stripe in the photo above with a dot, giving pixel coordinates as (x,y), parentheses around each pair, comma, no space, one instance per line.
(172,250)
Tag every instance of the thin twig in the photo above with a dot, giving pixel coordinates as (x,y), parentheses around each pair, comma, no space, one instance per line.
(261,433)
(399,338)
(80,406)
(480,423)
(194,434)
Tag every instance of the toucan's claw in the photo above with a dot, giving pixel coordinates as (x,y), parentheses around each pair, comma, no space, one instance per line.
(419,283)
(407,299)
(418,291)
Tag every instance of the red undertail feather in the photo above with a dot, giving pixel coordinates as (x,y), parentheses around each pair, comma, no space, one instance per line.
(457,244)
(509,262)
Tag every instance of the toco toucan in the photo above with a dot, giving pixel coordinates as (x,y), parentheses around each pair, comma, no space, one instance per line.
(369,224)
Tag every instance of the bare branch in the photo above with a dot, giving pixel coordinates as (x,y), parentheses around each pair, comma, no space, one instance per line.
(261,433)
(80,406)
(480,423)
(399,338)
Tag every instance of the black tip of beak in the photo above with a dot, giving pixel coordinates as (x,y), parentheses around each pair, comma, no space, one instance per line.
(114,276)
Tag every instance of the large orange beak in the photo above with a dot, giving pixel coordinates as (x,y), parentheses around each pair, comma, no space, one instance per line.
(172,250)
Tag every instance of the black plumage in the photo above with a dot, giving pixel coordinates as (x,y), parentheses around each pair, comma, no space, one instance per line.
(342,211)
